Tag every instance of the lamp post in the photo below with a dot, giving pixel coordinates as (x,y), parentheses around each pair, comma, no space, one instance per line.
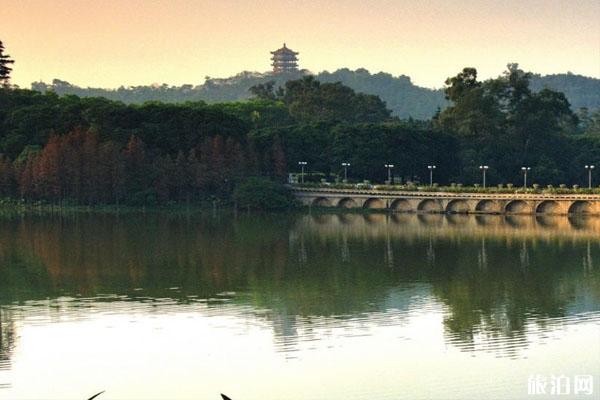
(525,169)
(302,164)
(483,169)
(389,168)
(589,168)
(431,168)
(345,165)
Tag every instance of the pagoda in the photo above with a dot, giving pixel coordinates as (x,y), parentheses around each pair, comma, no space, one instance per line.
(284,60)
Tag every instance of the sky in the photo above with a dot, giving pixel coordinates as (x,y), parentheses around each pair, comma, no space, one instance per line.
(109,43)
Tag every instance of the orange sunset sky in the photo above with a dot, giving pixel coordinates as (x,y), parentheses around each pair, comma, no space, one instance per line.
(108,43)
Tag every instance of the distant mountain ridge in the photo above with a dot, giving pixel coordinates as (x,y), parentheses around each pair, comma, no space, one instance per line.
(404,98)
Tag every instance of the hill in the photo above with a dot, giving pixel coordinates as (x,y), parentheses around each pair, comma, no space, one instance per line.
(582,91)
(404,98)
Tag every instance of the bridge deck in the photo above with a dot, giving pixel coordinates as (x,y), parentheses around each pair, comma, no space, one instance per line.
(421,201)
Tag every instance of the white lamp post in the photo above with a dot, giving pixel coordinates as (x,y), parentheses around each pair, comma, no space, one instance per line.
(345,165)
(389,168)
(483,169)
(302,164)
(589,168)
(431,168)
(525,169)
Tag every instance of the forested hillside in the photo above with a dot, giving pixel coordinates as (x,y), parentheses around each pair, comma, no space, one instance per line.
(582,91)
(402,97)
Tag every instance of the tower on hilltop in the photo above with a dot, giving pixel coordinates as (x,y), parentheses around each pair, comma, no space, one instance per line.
(284,60)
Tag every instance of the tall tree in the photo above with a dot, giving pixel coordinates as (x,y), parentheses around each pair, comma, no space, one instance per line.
(279,162)
(6,177)
(264,91)
(5,70)
(310,101)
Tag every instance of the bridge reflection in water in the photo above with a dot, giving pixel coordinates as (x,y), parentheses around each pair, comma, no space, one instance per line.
(505,279)
(513,226)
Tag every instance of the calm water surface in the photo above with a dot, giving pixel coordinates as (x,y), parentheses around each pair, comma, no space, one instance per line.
(295,307)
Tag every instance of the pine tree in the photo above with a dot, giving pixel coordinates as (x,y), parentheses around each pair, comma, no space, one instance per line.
(278,157)
(25,177)
(182,178)
(163,173)
(136,167)
(112,172)
(49,170)
(197,173)
(90,171)
(6,177)
(5,70)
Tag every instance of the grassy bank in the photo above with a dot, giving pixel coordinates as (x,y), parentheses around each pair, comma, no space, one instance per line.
(8,205)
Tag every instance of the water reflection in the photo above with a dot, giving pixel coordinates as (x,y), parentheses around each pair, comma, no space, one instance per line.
(7,341)
(489,284)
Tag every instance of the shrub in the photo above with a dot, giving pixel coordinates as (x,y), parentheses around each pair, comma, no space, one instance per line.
(263,194)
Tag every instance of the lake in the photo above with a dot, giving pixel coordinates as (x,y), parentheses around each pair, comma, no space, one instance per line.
(300,306)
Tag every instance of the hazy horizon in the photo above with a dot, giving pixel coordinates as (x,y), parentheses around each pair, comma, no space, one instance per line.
(113,43)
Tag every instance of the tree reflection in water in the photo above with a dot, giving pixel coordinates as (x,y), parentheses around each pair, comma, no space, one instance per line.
(492,275)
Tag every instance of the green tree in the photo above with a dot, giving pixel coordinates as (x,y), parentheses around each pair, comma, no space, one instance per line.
(502,123)
(263,194)
(264,91)
(310,101)
(5,69)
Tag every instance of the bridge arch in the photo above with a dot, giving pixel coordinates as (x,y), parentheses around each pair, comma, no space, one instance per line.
(488,206)
(374,203)
(548,207)
(321,202)
(580,207)
(458,206)
(347,202)
(401,205)
(518,207)
(431,206)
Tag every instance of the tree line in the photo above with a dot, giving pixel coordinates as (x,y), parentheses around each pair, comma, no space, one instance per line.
(97,151)
(78,168)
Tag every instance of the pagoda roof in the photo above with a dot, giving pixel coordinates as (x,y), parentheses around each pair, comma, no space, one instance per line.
(285,50)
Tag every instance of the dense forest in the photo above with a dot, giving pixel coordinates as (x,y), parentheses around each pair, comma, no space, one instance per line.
(403,98)
(93,150)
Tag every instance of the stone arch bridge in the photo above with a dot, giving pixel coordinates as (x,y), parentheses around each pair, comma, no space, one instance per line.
(445,202)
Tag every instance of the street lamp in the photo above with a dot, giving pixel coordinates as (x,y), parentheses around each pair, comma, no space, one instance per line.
(389,168)
(345,165)
(302,164)
(483,168)
(431,168)
(589,168)
(525,169)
